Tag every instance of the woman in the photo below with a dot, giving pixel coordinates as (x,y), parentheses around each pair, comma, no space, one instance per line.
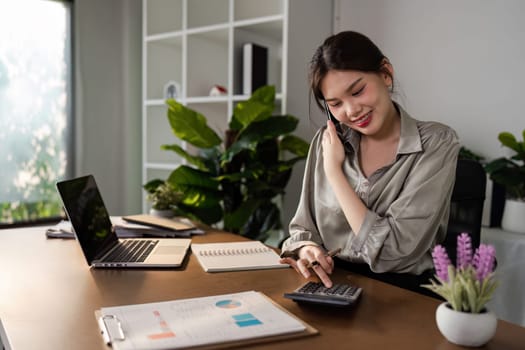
(381,190)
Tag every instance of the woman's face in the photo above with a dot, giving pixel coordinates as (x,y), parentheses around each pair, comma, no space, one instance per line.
(359,100)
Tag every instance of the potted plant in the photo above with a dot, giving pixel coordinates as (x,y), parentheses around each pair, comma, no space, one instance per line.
(163,196)
(235,180)
(467,287)
(510,173)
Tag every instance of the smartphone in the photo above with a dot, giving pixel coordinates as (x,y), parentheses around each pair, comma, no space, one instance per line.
(335,121)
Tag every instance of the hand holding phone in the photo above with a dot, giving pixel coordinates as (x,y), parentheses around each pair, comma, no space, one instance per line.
(335,121)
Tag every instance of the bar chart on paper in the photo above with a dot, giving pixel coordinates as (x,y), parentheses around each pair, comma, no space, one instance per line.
(200,321)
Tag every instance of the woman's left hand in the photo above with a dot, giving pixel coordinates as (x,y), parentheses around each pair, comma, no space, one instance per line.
(333,150)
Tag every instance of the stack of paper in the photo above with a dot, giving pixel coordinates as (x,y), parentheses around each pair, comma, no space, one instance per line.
(126,229)
(224,320)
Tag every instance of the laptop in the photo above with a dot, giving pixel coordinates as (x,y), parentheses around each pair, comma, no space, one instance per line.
(94,232)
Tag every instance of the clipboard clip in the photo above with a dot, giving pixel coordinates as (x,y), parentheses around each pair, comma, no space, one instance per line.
(111,329)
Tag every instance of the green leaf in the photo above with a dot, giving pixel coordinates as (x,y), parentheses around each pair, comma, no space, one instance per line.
(248,112)
(258,107)
(294,144)
(234,221)
(191,126)
(186,176)
(199,189)
(208,215)
(256,132)
(265,218)
(264,94)
(199,162)
(508,140)
(198,197)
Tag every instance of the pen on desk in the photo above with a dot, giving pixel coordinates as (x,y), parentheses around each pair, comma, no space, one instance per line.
(331,254)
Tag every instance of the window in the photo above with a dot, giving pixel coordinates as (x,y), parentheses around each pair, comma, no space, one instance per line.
(35,107)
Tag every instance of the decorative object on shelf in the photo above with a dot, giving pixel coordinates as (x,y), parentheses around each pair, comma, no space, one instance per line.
(255,67)
(218,90)
(235,180)
(467,287)
(172,90)
(162,196)
(510,173)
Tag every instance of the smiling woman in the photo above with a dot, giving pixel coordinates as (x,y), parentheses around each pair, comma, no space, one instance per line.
(35,105)
(379,189)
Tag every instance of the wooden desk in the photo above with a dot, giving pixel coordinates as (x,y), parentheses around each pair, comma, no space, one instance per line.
(47,300)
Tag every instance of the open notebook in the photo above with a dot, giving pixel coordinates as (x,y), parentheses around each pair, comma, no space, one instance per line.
(236,256)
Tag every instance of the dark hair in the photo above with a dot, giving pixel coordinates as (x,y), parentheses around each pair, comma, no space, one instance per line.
(344,51)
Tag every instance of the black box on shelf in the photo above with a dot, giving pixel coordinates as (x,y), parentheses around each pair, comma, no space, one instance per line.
(255,67)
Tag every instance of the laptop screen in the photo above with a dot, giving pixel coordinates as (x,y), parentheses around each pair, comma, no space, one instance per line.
(88,215)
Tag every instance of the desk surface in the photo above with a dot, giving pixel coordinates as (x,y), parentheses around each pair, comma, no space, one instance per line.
(47,300)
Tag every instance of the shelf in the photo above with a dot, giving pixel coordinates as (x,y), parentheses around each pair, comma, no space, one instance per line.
(204,12)
(259,34)
(237,98)
(163,16)
(158,102)
(249,9)
(206,99)
(164,36)
(198,44)
(270,27)
(207,55)
(163,64)
(161,166)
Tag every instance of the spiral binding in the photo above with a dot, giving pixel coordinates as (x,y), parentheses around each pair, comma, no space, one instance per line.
(230,252)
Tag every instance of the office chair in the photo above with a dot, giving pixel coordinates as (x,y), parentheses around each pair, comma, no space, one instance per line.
(466,207)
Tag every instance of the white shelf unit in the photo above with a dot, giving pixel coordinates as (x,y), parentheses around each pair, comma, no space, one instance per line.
(198,43)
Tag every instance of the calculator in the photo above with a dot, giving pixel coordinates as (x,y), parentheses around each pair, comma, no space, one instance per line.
(315,292)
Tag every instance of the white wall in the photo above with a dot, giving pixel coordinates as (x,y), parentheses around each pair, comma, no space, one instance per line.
(108,99)
(458,62)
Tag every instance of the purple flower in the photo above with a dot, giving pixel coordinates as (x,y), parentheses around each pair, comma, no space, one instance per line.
(484,260)
(441,262)
(464,251)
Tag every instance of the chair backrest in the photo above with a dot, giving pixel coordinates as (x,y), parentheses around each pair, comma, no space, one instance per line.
(466,208)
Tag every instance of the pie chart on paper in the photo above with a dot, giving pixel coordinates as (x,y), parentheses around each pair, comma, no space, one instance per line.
(228,304)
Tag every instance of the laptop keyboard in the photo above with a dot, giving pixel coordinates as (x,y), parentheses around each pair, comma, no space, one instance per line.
(132,250)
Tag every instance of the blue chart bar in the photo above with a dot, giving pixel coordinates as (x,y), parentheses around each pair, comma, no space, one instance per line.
(246,320)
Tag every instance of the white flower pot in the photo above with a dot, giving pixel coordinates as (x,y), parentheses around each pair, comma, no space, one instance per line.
(165,213)
(514,216)
(463,328)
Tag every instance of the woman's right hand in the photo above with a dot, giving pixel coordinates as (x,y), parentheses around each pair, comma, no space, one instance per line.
(323,265)
(333,150)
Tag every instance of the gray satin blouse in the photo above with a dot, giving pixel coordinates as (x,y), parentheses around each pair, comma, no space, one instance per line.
(408,201)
